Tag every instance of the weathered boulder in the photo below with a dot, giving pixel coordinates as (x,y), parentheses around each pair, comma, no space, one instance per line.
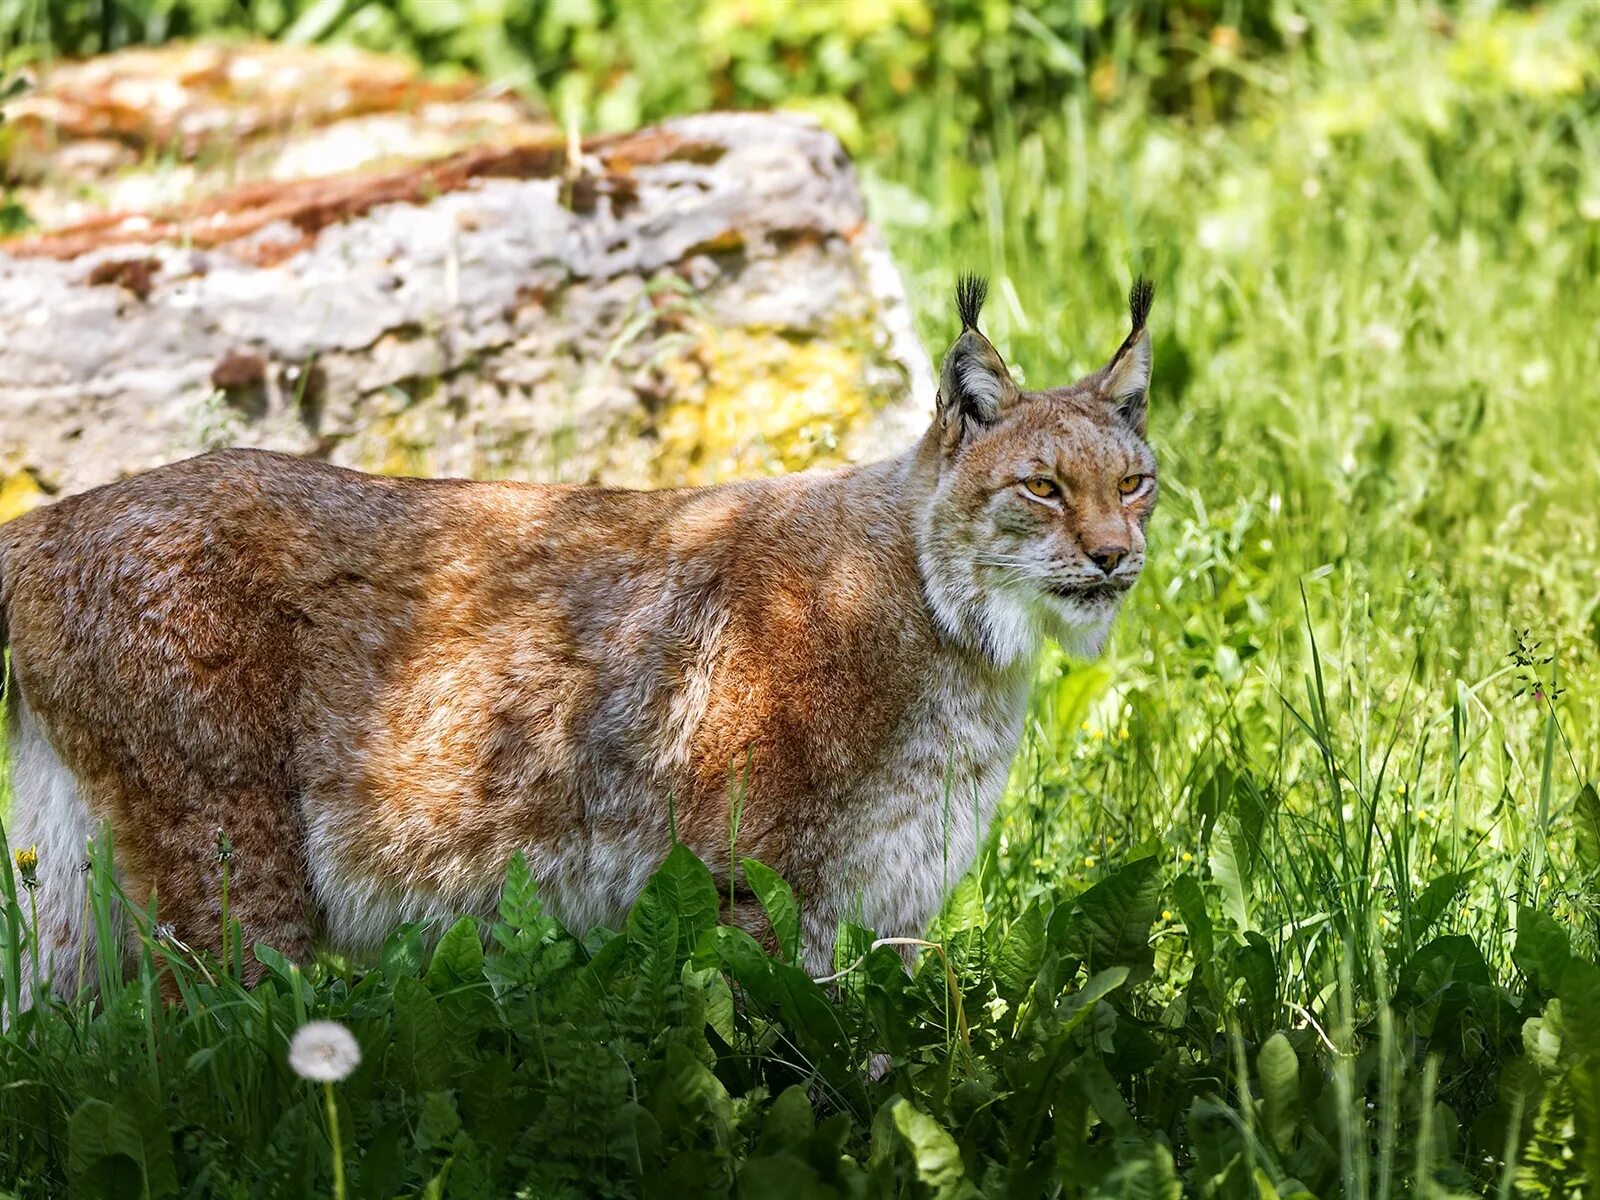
(676,305)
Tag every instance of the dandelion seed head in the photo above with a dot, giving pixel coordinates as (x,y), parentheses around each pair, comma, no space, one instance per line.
(324,1051)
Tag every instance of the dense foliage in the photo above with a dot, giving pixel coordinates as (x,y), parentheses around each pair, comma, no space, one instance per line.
(1295,892)
(676,1058)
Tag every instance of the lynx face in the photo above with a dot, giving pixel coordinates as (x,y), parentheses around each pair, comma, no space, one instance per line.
(1037,524)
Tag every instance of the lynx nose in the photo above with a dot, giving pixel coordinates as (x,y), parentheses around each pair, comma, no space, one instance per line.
(1107,557)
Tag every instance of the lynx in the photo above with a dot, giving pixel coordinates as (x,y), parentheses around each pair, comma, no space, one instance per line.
(380,689)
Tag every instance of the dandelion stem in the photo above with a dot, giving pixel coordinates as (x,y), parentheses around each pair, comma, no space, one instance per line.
(84,929)
(227,959)
(333,1136)
(33,943)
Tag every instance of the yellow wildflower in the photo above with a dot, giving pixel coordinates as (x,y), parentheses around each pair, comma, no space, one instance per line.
(28,866)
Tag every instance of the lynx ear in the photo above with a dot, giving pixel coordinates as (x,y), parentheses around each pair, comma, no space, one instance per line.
(1125,381)
(974,385)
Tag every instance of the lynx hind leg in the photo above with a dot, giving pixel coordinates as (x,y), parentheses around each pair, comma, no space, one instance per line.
(267,891)
(48,812)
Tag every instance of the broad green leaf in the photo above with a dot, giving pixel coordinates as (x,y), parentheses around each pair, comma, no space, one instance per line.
(789,1121)
(653,927)
(1191,902)
(1542,950)
(404,952)
(1580,1009)
(813,1018)
(1230,873)
(688,1094)
(1111,921)
(776,897)
(458,960)
(1435,900)
(121,1150)
(1148,1175)
(1279,1070)
(1580,1015)
(1104,1096)
(1256,964)
(719,1004)
(1016,964)
(963,910)
(934,1157)
(421,1039)
(1586,1090)
(1075,1009)
(1586,825)
(1434,983)
(1252,805)
(677,906)
(783,1176)
(1210,800)
(741,956)
(300,992)
(438,1123)
(1541,1039)
(1219,1150)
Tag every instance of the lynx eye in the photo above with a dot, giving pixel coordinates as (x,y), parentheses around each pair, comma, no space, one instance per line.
(1129,484)
(1041,487)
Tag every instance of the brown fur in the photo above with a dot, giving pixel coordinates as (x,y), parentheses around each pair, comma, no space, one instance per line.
(383,688)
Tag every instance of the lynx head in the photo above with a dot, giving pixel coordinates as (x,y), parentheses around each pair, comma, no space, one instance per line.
(1037,519)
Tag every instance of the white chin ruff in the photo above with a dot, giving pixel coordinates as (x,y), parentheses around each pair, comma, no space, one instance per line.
(1079,629)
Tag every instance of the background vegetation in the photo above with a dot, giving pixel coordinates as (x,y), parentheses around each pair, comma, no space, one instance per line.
(1294,893)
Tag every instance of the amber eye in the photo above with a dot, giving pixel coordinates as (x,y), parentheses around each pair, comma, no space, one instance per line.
(1130,484)
(1041,487)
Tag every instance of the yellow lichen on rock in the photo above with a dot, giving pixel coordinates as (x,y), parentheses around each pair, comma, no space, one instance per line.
(757,403)
(18,494)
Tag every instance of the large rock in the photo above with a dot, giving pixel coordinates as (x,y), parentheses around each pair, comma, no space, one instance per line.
(677,305)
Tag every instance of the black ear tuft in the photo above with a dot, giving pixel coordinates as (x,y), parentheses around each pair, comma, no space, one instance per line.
(1139,297)
(971,292)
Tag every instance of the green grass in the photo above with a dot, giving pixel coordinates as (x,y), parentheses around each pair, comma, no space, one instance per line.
(1294,892)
